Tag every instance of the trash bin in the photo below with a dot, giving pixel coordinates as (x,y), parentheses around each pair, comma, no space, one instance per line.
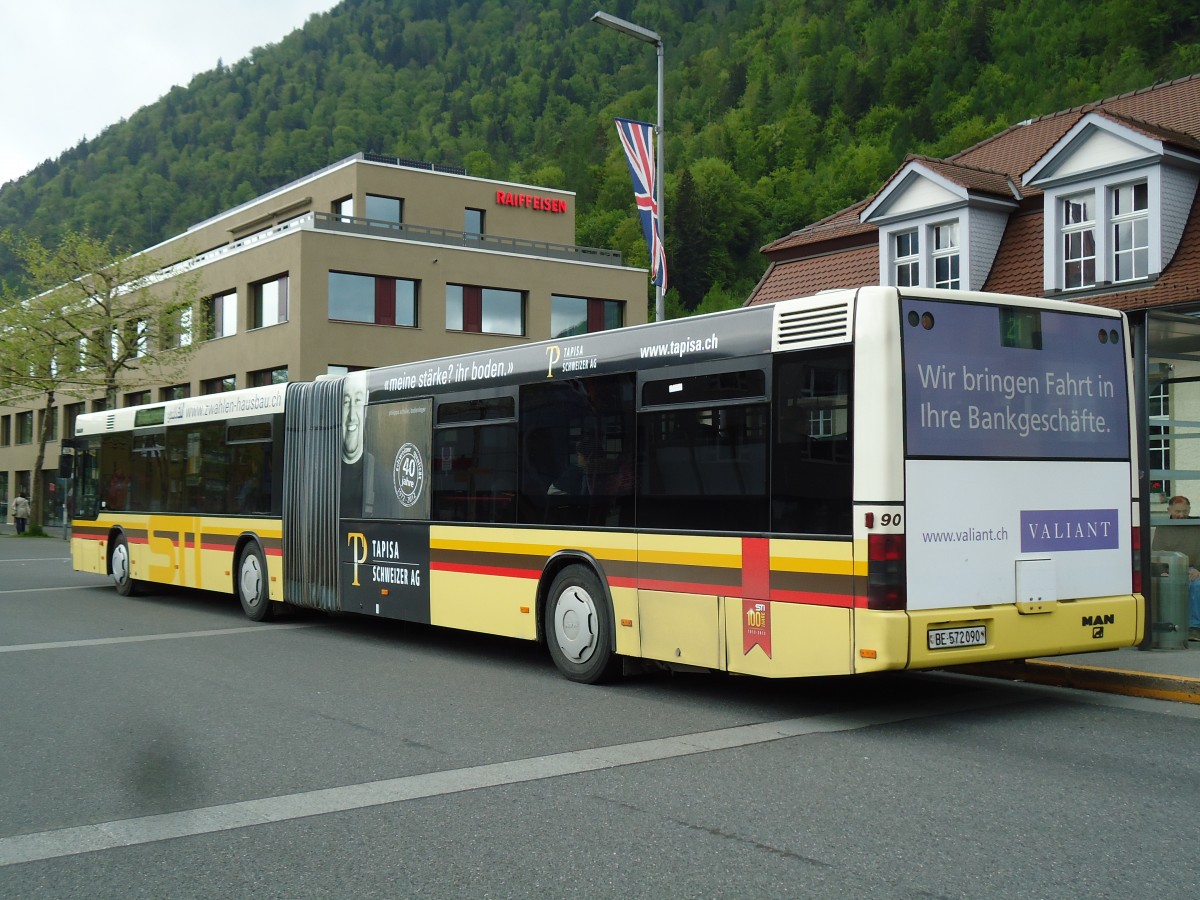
(1168,600)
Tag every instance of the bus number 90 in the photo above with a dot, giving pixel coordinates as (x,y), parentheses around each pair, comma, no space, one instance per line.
(890,519)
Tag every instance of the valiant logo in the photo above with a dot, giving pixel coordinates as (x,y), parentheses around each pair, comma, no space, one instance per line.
(1068,529)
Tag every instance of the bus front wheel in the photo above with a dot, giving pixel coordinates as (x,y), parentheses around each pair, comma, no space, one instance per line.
(121,567)
(578,627)
(252,584)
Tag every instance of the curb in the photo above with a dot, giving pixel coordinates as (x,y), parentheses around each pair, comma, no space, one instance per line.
(1178,688)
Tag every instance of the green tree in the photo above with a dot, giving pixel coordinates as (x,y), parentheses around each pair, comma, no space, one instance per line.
(92,319)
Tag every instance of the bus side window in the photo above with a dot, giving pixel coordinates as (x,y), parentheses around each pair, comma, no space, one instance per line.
(475,474)
(704,468)
(116,464)
(811,477)
(577,442)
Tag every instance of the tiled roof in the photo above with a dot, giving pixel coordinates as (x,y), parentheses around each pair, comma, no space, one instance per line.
(802,278)
(832,252)
(972,177)
(1017,268)
(841,224)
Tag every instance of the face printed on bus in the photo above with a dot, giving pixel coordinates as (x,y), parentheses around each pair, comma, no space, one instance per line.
(354,401)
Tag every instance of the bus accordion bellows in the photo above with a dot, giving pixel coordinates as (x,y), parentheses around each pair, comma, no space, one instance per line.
(860,481)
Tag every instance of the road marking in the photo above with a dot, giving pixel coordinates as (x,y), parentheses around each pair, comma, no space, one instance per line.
(209,820)
(97,642)
(71,587)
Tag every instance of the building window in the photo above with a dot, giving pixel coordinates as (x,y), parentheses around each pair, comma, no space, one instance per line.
(344,208)
(137,338)
(137,398)
(1078,241)
(266,377)
(335,369)
(473,223)
(907,256)
(375,300)
(484,310)
(175,392)
(218,385)
(52,434)
(177,329)
(99,405)
(71,412)
(221,314)
(385,209)
(270,300)
(945,255)
(5,433)
(581,315)
(1130,231)
(25,427)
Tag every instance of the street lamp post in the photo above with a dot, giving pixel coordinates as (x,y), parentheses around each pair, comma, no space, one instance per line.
(650,37)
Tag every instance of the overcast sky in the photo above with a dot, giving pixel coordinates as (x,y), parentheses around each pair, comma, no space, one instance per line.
(71,68)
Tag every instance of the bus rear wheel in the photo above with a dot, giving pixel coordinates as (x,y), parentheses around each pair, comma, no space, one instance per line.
(121,567)
(252,587)
(578,627)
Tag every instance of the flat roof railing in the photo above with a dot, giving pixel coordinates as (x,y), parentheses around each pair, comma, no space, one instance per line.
(428,234)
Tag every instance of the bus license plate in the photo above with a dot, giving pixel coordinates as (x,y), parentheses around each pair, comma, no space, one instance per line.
(949,638)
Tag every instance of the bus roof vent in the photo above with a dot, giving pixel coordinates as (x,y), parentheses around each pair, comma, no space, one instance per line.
(818,322)
(110,422)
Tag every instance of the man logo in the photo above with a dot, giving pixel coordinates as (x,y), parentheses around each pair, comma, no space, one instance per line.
(1098,632)
(1106,619)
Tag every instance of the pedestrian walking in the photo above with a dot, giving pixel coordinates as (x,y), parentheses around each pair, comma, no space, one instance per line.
(20,511)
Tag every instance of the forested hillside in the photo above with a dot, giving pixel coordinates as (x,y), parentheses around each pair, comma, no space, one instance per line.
(778,112)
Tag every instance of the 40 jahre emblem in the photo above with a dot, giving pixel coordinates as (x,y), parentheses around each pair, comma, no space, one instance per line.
(408,475)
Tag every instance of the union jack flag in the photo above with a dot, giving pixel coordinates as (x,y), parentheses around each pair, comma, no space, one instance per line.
(638,140)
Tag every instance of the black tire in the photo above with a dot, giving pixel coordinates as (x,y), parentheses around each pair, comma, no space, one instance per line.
(119,566)
(578,627)
(252,584)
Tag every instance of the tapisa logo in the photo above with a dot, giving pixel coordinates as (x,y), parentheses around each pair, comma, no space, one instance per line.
(1068,529)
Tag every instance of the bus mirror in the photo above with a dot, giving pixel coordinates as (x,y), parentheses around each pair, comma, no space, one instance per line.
(66,463)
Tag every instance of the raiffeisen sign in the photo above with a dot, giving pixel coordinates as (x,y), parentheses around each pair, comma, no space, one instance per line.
(529,201)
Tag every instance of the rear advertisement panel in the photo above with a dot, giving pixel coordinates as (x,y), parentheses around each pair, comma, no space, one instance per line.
(974,525)
(1013,382)
(1017,476)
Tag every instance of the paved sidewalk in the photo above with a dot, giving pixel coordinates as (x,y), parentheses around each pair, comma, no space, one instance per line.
(1160,674)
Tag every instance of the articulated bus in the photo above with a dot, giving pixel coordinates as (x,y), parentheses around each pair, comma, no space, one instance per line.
(859,481)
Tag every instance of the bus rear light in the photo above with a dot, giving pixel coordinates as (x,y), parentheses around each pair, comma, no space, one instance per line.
(1136,544)
(886,588)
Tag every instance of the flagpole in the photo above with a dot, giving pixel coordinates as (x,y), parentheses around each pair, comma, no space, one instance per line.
(660,305)
(650,37)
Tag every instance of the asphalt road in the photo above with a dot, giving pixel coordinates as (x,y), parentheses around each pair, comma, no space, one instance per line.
(163,746)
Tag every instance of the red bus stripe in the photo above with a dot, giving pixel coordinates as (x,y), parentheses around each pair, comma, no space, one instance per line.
(813,599)
(464,569)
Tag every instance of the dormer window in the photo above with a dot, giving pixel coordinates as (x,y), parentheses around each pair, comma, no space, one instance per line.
(908,258)
(1078,241)
(1116,198)
(1130,231)
(945,255)
(940,224)
(1104,235)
